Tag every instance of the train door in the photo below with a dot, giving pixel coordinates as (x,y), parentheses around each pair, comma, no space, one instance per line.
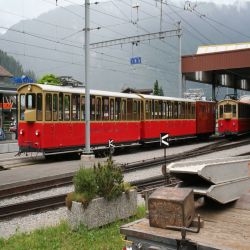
(205,118)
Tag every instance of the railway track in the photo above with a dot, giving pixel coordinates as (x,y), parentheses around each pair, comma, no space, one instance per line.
(66,179)
(59,200)
(218,146)
(56,201)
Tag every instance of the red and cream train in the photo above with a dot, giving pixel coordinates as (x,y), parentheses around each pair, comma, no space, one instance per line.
(51,118)
(234,116)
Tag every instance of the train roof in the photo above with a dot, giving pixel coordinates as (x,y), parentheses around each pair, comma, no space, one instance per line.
(78,90)
(165,98)
(245,99)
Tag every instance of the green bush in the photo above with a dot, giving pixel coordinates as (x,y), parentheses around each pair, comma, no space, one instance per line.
(85,183)
(109,180)
(104,181)
(49,79)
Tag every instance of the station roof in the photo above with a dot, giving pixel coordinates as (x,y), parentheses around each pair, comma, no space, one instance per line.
(4,72)
(216,60)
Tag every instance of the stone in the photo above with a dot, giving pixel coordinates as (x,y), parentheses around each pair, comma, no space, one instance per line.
(101,212)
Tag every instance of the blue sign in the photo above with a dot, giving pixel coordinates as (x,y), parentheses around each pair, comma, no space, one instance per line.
(23,79)
(135,60)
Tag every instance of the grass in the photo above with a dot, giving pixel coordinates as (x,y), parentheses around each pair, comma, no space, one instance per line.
(61,237)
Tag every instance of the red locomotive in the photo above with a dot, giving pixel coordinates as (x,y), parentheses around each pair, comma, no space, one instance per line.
(51,118)
(234,116)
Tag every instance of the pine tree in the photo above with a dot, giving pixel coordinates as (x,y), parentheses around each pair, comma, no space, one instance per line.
(156,88)
(161,92)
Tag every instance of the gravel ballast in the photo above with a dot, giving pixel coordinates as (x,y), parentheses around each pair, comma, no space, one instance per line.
(50,218)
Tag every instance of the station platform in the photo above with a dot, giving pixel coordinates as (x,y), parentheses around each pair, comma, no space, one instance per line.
(8,146)
(30,174)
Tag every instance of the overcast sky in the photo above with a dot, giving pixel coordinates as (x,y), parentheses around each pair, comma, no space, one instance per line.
(12,11)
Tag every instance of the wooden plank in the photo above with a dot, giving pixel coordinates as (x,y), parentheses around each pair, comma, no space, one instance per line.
(227,228)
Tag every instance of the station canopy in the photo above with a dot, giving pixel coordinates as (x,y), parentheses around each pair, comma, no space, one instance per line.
(225,65)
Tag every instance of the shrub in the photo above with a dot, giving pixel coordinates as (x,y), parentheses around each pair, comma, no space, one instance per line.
(104,180)
(85,183)
(75,197)
(109,180)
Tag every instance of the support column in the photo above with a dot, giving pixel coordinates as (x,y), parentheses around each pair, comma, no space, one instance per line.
(87,85)
(213,91)
(235,92)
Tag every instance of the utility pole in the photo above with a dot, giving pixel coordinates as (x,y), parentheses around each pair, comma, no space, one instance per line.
(181,89)
(87,92)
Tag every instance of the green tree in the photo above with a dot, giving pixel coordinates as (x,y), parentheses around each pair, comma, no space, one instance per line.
(161,93)
(156,88)
(49,79)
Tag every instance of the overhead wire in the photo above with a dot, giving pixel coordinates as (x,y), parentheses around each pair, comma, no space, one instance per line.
(40,37)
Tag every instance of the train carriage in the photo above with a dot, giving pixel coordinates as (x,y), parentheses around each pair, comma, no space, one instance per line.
(233,117)
(175,116)
(51,118)
(179,117)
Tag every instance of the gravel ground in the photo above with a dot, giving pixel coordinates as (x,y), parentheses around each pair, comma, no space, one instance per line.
(50,218)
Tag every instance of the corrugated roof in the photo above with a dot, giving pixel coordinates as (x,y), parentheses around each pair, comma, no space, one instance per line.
(4,72)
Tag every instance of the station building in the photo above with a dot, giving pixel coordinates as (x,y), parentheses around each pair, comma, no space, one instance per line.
(8,110)
(226,65)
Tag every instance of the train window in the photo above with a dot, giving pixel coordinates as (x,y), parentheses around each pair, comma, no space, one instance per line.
(188,114)
(227,108)
(124,110)
(117,108)
(186,110)
(66,112)
(98,108)
(148,110)
(160,109)
(167,111)
(105,108)
(163,110)
(234,110)
(129,109)
(153,109)
(48,107)
(112,109)
(22,106)
(39,106)
(75,109)
(30,101)
(182,110)
(60,106)
(193,111)
(136,110)
(82,108)
(92,108)
(175,110)
(221,111)
(170,110)
(156,109)
(55,107)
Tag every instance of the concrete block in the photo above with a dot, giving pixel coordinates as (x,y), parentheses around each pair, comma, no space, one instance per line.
(13,147)
(4,148)
(101,212)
